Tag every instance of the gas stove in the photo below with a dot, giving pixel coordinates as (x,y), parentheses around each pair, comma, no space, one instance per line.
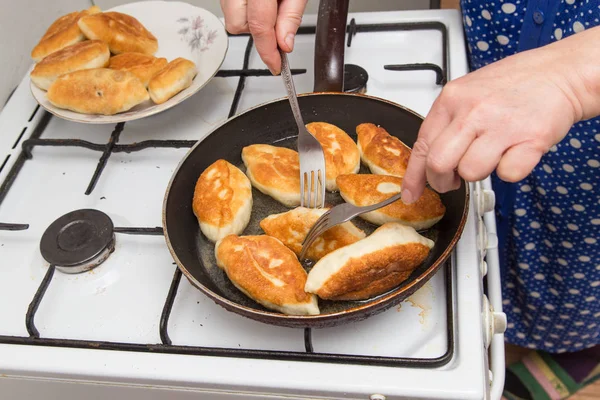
(120,321)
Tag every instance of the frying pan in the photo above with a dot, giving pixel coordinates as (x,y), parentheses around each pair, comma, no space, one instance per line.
(273,123)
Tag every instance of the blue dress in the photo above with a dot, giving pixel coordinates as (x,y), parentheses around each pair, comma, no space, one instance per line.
(549,223)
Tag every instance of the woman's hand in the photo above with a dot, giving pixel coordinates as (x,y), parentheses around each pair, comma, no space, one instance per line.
(270,22)
(506,115)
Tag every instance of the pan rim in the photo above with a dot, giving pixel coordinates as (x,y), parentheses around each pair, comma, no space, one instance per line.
(299,320)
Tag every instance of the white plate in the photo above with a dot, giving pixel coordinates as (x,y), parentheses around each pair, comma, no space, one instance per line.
(182,30)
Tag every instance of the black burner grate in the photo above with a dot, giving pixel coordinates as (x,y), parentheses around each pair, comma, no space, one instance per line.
(13,227)
(441,72)
(112,146)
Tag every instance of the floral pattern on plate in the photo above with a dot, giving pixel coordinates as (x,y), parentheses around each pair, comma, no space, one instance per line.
(195,34)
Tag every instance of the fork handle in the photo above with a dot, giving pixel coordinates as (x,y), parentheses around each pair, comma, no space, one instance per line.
(356,210)
(381,204)
(291,90)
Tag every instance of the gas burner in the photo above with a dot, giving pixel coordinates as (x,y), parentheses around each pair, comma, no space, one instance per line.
(78,241)
(355,79)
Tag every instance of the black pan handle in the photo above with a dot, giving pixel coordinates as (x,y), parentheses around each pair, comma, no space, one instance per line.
(329,45)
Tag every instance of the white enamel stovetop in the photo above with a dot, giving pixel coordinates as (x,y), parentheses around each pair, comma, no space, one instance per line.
(122,300)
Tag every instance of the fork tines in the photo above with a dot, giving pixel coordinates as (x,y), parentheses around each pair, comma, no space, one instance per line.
(315,231)
(312,189)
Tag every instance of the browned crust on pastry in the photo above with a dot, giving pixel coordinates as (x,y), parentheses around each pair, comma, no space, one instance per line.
(279,167)
(362,189)
(97,91)
(172,79)
(248,261)
(374,273)
(221,190)
(80,53)
(144,66)
(342,160)
(123,33)
(375,143)
(69,59)
(62,33)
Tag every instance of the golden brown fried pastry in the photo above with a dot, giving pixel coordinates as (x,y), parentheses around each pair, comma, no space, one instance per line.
(62,33)
(341,153)
(366,190)
(82,55)
(143,66)
(97,91)
(267,272)
(123,33)
(172,79)
(222,200)
(371,266)
(383,153)
(292,226)
(275,171)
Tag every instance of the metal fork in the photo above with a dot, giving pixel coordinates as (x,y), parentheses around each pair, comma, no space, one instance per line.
(312,158)
(338,215)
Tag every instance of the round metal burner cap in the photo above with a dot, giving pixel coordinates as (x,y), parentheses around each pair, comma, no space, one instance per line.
(355,79)
(78,241)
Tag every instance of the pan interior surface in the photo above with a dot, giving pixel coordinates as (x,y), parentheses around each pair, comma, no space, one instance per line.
(274,124)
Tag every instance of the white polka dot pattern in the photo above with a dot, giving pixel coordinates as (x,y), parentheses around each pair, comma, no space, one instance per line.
(557,33)
(509,8)
(550,248)
(503,40)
